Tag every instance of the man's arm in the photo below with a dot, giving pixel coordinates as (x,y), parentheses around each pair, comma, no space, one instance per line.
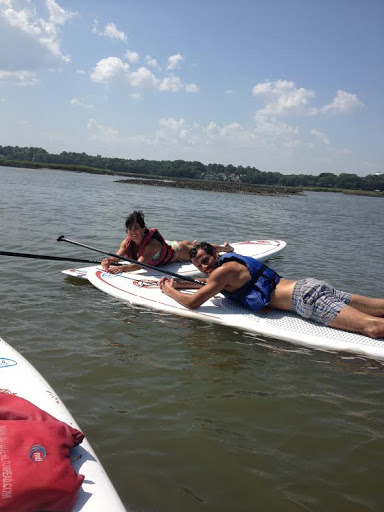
(214,284)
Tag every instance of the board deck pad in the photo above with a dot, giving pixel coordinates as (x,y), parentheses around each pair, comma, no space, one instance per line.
(260,249)
(286,326)
(19,377)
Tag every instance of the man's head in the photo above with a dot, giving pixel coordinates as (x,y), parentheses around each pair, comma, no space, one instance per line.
(204,256)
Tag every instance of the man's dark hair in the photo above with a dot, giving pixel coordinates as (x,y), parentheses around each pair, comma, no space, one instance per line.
(135,216)
(208,248)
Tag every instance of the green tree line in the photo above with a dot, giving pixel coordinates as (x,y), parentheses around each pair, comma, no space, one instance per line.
(195,170)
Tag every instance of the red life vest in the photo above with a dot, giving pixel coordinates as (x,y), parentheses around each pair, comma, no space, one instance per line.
(166,252)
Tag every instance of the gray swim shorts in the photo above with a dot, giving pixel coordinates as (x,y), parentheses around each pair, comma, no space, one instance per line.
(318,301)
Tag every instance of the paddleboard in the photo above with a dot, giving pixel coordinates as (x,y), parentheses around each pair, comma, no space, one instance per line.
(260,249)
(286,326)
(19,377)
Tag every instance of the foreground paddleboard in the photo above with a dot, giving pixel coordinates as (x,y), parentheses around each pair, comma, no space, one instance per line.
(19,377)
(282,325)
(260,249)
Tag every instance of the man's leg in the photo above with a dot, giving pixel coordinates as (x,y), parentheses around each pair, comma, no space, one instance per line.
(353,320)
(374,307)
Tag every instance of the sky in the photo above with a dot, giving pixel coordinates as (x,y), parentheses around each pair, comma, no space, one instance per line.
(294,86)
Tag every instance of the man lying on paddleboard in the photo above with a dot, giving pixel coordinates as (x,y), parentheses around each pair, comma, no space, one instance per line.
(256,286)
(148,246)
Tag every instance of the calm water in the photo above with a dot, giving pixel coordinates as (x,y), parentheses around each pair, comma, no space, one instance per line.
(188,416)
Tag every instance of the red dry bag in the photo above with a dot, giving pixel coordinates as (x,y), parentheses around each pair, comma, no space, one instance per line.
(36,473)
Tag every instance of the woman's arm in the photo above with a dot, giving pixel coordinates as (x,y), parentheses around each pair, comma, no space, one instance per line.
(149,252)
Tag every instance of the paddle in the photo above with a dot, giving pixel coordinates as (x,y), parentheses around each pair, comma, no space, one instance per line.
(45,257)
(144,265)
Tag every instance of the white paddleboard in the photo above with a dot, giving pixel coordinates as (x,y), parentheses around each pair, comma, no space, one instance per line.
(287,326)
(260,249)
(19,377)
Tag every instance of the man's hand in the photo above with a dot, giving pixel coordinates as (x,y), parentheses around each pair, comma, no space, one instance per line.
(166,285)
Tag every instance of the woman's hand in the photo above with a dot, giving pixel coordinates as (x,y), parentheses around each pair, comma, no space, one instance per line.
(107,262)
(116,269)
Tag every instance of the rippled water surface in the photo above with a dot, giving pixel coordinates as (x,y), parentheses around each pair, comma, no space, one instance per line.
(188,416)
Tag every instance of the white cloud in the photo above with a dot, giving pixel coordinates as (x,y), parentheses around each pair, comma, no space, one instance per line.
(110,68)
(174,61)
(113,68)
(100,132)
(229,133)
(32,40)
(173,131)
(171,84)
(57,15)
(24,78)
(172,125)
(132,57)
(232,135)
(343,102)
(143,77)
(95,29)
(175,137)
(152,62)
(78,103)
(192,88)
(320,136)
(271,127)
(111,31)
(262,135)
(282,97)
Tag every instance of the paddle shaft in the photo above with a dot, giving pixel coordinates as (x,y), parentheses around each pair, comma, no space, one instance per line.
(141,264)
(45,257)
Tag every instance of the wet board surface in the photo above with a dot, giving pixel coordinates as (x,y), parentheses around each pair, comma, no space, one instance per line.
(286,326)
(260,249)
(19,377)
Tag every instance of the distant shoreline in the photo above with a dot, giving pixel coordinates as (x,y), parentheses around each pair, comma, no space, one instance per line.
(216,186)
(193,184)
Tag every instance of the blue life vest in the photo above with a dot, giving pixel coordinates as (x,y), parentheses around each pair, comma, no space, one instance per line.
(255,294)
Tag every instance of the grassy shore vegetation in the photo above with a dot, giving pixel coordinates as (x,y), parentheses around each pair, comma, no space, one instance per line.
(370,193)
(195,174)
(62,167)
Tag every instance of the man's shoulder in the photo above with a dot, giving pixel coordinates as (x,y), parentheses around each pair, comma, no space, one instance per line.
(227,267)
(230,264)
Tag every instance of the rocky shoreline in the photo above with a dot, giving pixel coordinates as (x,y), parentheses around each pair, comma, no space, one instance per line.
(217,186)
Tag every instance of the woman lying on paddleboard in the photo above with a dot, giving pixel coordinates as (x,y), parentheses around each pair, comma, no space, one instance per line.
(148,246)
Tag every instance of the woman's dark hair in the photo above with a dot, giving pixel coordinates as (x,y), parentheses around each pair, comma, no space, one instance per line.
(135,216)
(208,248)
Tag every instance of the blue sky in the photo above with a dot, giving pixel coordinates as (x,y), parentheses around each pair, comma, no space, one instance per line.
(294,86)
